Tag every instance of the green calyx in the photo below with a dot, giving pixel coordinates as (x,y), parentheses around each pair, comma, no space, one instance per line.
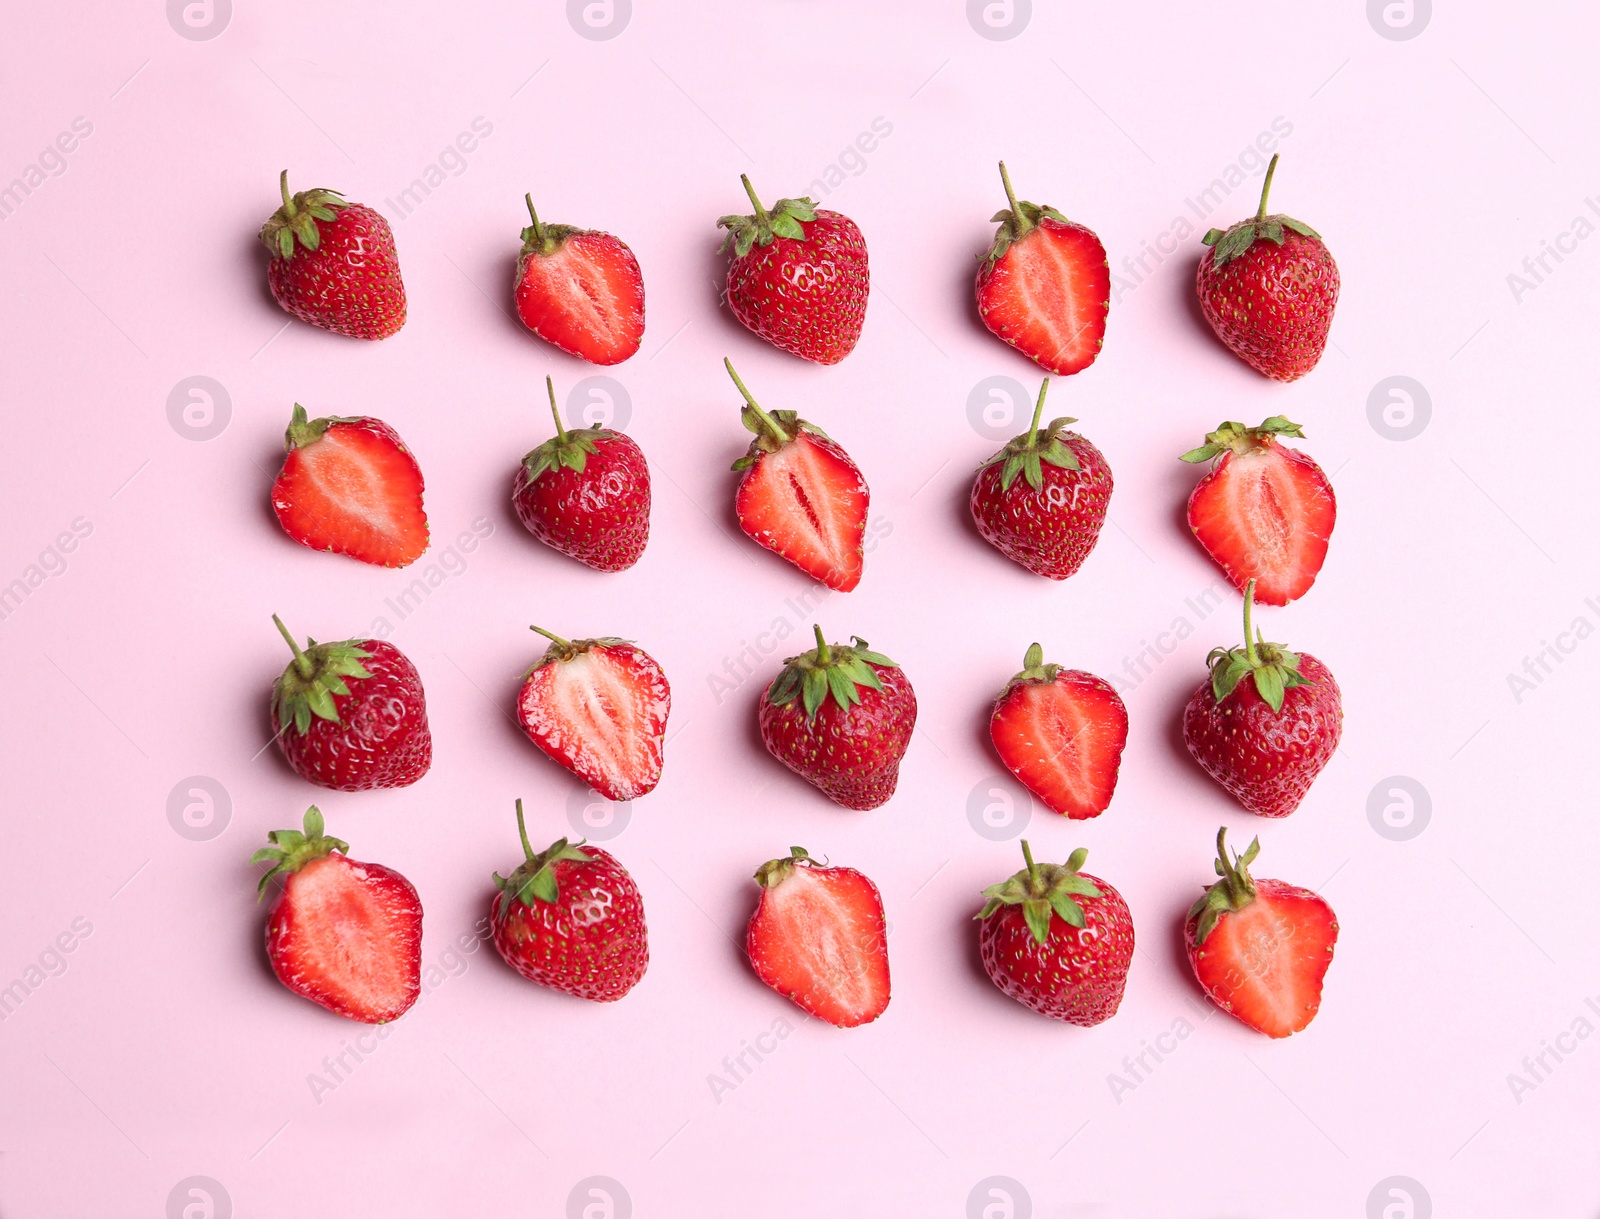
(828,669)
(565,649)
(1043,889)
(291,850)
(773,429)
(313,677)
(1232,893)
(303,430)
(544,239)
(1271,666)
(535,880)
(297,219)
(569,450)
(775,871)
(1016,221)
(1226,246)
(1232,437)
(784,220)
(1028,453)
(1034,670)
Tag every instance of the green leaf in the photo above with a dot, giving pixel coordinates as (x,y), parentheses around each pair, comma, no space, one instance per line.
(542,886)
(1032,659)
(1269,684)
(1059,453)
(788,226)
(1212,237)
(1272,230)
(814,687)
(1071,913)
(1299,226)
(843,689)
(1204,453)
(1037,915)
(1076,860)
(1032,471)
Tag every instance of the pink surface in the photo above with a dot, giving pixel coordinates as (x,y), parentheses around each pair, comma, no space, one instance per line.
(159,1048)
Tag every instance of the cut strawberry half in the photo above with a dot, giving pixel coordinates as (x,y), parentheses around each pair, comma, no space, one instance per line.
(581,290)
(818,938)
(350,486)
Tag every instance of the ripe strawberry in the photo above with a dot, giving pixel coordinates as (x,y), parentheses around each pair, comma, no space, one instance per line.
(351,715)
(1051,519)
(1260,948)
(801,496)
(1061,732)
(571,918)
(344,274)
(586,493)
(1045,286)
(798,277)
(1265,723)
(1268,287)
(599,707)
(350,486)
(1264,511)
(1058,940)
(343,934)
(581,290)
(841,718)
(818,938)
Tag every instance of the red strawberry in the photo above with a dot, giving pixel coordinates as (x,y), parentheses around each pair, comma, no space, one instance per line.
(343,934)
(1058,940)
(599,707)
(798,277)
(1044,286)
(1266,722)
(571,918)
(818,938)
(1050,520)
(1260,948)
(350,486)
(1061,732)
(581,290)
(351,715)
(1268,287)
(841,718)
(586,493)
(1264,511)
(334,264)
(801,496)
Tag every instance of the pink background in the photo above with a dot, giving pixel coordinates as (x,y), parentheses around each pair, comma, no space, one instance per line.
(165,1050)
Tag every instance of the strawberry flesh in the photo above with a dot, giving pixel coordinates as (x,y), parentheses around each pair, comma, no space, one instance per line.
(808,503)
(586,297)
(818,938)
(1063,739)
(1048,295)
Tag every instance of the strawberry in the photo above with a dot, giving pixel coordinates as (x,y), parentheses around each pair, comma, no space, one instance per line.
(1061,732)
(351,715)
(1263,511)
(571,918)
(334,264)
(1050,520)
(599,707)
(798,276)
(1057,940)
(343,934)
(801,496)
(586,493)
(1260,948)
(1265,723)
(1268,287)
(841,718)
(350,486)
(818,938)
(1045,286)
(581,290)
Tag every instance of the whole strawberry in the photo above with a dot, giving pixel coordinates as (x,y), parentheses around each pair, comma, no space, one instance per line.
(343,934)
(798,277)
(1057,940)
(1268,287)
(571,918)
(351,715)
(586,493)
(1042,499)
(334,264)
(581,290)
(1266,722)
(841,718)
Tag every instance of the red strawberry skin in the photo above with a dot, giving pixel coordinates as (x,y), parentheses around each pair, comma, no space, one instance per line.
(582,291)
(1062,737)
(590,942)
(600,515)
(1273,305)
(807,502)
(381,738)
(348,936)
(1050,530)
(1048,295)
(1076,975)
(807,297)
(347,277)
(1265,759)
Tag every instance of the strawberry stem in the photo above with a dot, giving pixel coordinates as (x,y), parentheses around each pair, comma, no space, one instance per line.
(1249,639)
(288,202)
(1033,868)
(561,432)
(538,229)
(1020,224)
(522,832)
(762,218)
(1038,411)
(823,655)
(767,421)
(1261,212)
(302,662)
(555,639)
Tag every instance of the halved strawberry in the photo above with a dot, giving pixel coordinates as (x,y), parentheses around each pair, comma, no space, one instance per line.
(599,707)
(350,486)
(1061,732)
(818,938)
(581,290)
(1264,511)
(801,496)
